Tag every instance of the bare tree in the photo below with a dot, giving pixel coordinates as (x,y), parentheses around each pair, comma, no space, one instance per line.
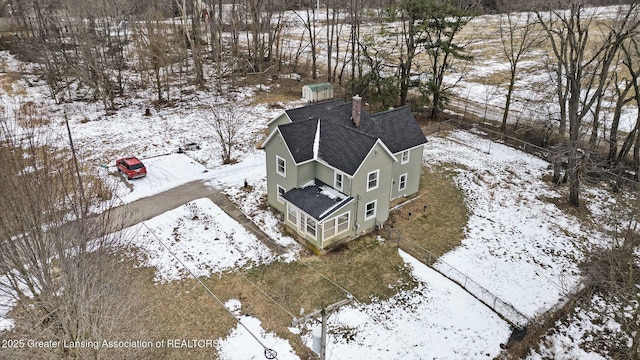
(228,126)
(631,51)
(355,12)
(191,29)
(581,63)
(518,38)
(64,272)
(622,87)
(309,21)
(411,14)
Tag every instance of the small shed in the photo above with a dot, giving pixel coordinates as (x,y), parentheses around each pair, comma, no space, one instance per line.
(317,92)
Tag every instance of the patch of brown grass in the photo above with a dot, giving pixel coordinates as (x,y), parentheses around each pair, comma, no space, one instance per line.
(440,226)
(280,92)
(184,310)
(31,116)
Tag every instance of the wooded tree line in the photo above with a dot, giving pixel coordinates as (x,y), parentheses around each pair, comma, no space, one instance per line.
(104,51)
(391,52)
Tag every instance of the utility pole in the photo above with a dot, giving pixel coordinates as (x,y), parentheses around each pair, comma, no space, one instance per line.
(324,314)
(83,201)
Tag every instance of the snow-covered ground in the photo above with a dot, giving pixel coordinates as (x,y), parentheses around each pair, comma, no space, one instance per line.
(436,320)
(202,236)
(518,245)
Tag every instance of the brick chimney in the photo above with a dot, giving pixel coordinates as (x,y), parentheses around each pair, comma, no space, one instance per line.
(356,107)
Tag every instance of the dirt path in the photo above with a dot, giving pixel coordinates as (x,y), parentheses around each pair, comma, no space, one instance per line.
(149,207)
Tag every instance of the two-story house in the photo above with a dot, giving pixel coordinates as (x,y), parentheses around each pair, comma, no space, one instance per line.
(333,169)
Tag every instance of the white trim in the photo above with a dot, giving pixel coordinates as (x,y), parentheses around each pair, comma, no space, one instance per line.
(284,166)
(315,227)
(348,213)
(271,136)
(386,149)
(375,210)
(286,146)
(335,207)
(280,199)
(296,211)
(301,228)
(277,117)
(406,180)
(335,180)
(377,172)
(320,161)
(398,155)
(402,160)
(334,220)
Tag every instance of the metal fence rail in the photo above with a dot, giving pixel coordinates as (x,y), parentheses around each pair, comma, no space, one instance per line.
(504,309)
(628,177)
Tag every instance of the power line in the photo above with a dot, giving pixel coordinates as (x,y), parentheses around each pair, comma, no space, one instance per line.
(361,304)
(268,352)
(347,292)
(267,295)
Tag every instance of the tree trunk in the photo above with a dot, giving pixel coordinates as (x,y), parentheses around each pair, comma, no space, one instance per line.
(507,103)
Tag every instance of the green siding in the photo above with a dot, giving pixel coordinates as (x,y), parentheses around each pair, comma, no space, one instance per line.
(378,159)
(413,170)
(280,120)
(276,147)
(319,241)
(383,162)
(306,173)
(350,208)
(326,174)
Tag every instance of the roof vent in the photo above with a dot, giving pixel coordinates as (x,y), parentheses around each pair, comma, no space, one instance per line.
(356,107)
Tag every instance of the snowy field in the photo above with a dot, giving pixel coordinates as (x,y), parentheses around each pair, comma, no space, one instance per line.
(518,245)
(202,236)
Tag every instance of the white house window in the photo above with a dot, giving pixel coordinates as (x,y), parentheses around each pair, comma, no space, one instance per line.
(343,223)
(402,182)
(372,180)
(311,227)
(281,167)
(281,192)
(405,157)
(336,226)
(292,215)
(329,229)
(338,181)
(370,210)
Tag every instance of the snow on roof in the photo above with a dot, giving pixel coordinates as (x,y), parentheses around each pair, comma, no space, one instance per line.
(316,141)
(317,199)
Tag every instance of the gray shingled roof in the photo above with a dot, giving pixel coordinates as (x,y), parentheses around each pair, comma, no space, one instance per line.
(317,199)
(299,138)
(341,144)
(343,147)
(398,129)
(312,111)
